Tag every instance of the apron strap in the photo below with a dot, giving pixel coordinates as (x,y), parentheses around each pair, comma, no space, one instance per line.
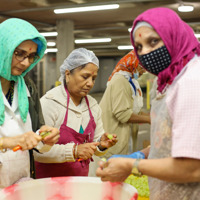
(87,102)
(66,114)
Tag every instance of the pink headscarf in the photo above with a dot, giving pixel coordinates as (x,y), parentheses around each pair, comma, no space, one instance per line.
(178,38)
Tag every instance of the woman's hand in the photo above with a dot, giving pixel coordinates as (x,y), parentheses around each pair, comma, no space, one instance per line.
(53,137)
(26,141)
(107,140)
(86,151)
(115,169)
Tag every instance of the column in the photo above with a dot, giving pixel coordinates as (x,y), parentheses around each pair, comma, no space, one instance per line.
(64,41)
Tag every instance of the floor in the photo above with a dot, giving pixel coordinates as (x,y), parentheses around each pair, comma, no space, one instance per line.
(144,129)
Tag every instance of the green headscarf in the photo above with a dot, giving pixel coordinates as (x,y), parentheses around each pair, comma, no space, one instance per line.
(12,33)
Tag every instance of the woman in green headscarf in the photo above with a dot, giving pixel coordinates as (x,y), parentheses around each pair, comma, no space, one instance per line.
(21,48)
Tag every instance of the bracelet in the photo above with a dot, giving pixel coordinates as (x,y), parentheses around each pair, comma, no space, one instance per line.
(76,151)
(135,171)
(1,146)
(101,148)
(73,151)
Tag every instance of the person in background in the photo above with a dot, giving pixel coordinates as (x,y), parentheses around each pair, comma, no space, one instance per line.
(122,102)
(21,48)
(69,108)
(121,106)
(171,51)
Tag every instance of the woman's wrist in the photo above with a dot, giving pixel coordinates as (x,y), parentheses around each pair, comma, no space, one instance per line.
(2,145)
(101,148)
(75,151)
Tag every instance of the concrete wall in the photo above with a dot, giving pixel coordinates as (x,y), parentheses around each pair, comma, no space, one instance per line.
(50,76)
(106,67)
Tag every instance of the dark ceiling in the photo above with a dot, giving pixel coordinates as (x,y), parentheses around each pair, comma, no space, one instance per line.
(96,24)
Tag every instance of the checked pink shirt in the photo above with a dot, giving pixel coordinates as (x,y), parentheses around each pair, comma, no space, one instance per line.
(175,130)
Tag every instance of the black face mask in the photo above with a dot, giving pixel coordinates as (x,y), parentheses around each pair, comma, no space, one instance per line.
(156,61)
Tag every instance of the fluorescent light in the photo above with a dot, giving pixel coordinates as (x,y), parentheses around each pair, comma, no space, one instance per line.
(197,35)
(47,34)
(51,50)
(81,41)
(125,47)
(87,8)
(183,8)
(51,44)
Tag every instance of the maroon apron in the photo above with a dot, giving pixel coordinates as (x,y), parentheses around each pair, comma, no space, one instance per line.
(67,135)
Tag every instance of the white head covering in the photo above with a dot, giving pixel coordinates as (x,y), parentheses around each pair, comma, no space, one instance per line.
(77,58)
(140,24)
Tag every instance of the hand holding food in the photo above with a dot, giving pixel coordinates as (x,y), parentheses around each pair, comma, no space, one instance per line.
(24,142)
(108,140)
(115,169)
(86,151)
(49,135)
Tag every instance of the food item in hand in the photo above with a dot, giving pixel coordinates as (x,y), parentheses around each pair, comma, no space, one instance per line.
(110,136)
(44,134)
(104,159)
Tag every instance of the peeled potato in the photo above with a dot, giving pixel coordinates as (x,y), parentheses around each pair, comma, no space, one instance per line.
(44,134)
(110,136)
(104,159)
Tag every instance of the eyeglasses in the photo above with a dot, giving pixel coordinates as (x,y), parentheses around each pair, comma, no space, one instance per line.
(21,55)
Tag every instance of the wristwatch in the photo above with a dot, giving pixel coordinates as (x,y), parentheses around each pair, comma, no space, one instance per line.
(135,171)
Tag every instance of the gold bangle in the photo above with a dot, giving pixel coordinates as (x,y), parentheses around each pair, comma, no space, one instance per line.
(1,146)
(76,151)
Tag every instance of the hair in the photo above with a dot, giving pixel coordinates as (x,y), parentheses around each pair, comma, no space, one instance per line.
(39,44)
(72,72)
(79,68)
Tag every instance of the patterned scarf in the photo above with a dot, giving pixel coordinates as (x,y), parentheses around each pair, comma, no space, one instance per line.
(127,64)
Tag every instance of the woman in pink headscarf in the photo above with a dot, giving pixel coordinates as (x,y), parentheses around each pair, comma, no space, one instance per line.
(166,46)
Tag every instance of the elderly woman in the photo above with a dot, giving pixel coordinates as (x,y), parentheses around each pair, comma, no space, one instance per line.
(77,115)
(171,51)
(21,48)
